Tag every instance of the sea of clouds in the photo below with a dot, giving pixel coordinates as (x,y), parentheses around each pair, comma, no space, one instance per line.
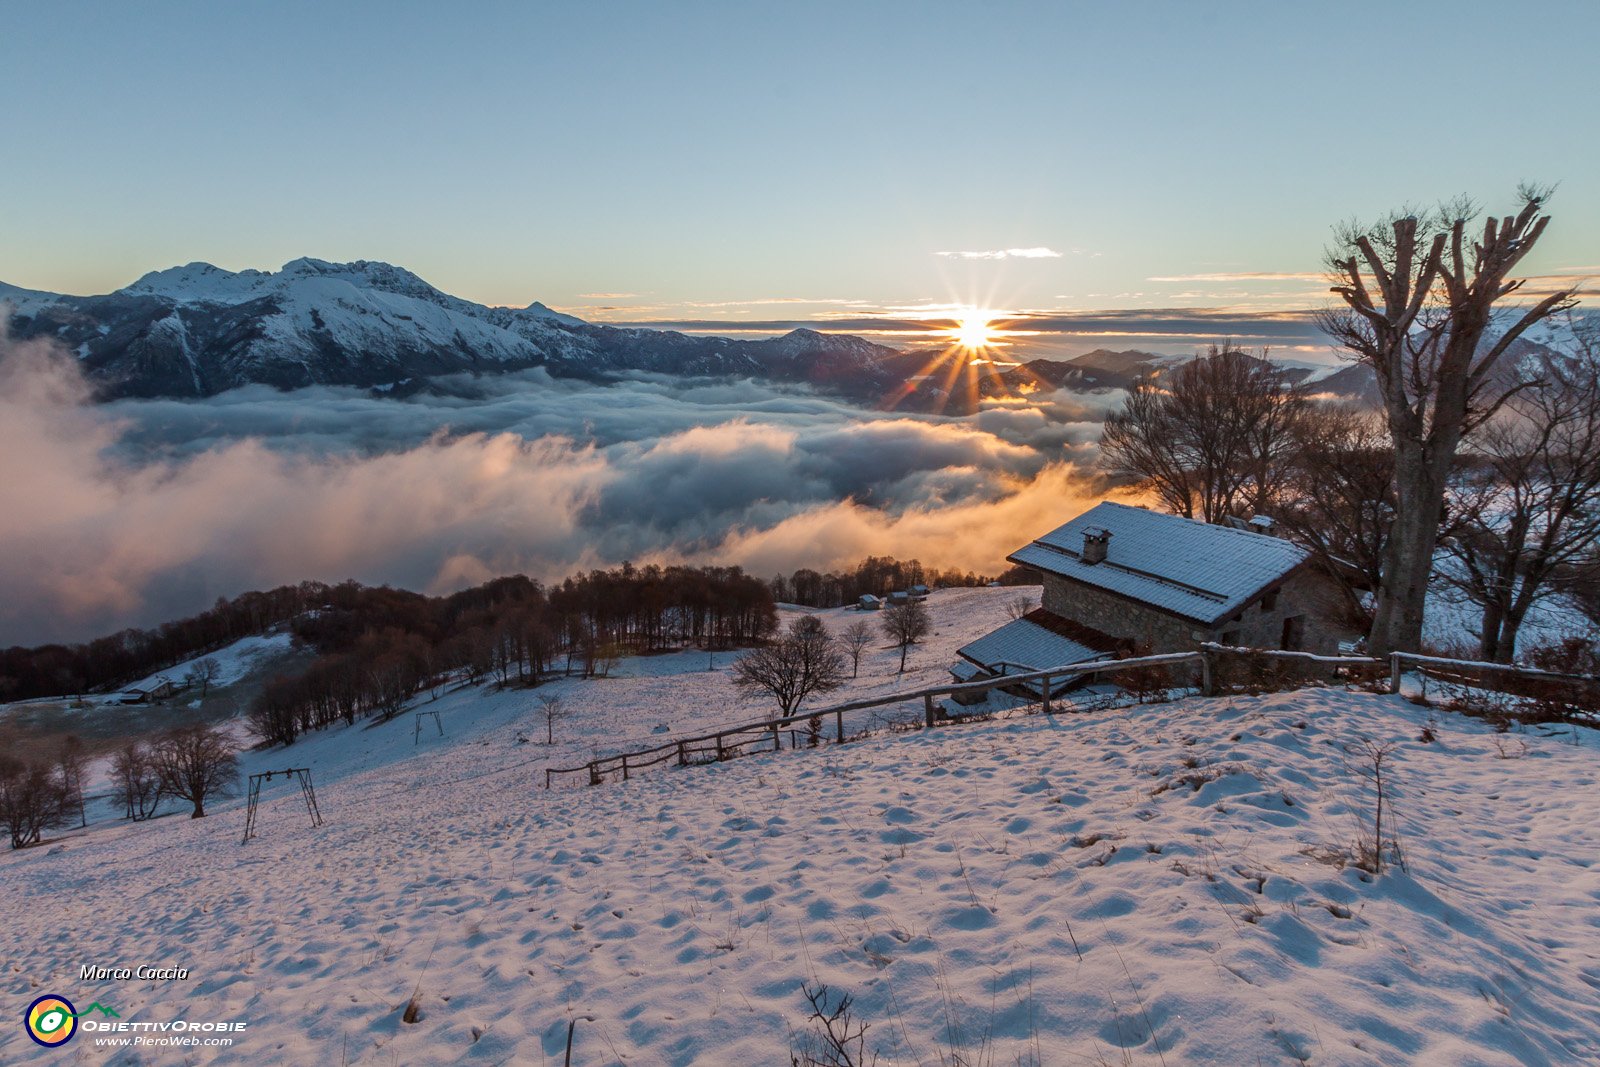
(138,511)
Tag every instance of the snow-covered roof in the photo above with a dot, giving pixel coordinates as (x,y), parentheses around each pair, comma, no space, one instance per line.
(1189,568)
(964,671)
(1036,641)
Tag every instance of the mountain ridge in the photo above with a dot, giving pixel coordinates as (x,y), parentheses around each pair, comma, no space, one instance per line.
(198,329)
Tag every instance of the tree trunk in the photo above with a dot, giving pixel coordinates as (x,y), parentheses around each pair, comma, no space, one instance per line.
(1509,627)
(1408,557)
(199,809)
(1491,640)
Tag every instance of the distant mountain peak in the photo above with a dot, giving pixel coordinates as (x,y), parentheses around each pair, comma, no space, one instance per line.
(200,329)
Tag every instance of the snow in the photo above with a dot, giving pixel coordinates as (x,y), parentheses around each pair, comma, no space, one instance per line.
(233,661)
(365,304)
(1452,621)
(1139,886)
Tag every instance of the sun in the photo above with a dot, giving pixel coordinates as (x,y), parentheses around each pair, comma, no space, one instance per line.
(973,332)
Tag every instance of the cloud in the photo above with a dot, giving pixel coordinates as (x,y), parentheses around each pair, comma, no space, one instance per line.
(1005,253)
(1244,276)
(140,511)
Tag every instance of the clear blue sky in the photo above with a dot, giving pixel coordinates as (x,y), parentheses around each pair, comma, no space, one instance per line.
(707,157)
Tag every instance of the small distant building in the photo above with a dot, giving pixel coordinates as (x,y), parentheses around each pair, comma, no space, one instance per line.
(151,693)
(899,596)
(868,602)
(1119,578)
(919,592)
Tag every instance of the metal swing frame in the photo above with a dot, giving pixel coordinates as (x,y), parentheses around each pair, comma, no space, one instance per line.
(302,774)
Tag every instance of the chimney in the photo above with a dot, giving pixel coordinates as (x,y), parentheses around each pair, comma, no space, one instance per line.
(1264,524)
(1095,540)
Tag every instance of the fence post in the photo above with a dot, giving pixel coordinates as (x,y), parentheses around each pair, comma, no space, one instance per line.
(1046,681)
(838,727)
(720,756)
(1394,672)
(777,739)
(624,766)
(547,777)
(927,709)
(683,757)
(1208,680)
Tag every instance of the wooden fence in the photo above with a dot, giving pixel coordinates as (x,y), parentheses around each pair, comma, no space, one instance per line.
(1217,674)
(810,728)
(1553,695)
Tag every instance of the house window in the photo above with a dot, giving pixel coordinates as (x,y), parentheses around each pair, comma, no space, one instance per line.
(1294,632)
(1269,602)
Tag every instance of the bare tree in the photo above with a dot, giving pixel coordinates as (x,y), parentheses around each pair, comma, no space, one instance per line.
(1019,605)
(855,639)
(1530,510)
(803,661)
(1424,333)
(204,673)
(553,708)
(71,758)
(1370,760)
(32,800)
(906,624)
(138,782)
(1338,499)
(196,763)
(1210,437)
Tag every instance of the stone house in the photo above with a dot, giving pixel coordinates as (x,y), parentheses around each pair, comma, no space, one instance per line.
(1119,579)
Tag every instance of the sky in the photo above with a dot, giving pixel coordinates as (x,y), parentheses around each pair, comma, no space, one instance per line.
(752,162)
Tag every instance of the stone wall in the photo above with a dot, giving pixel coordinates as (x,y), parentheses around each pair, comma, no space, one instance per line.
(1309,594)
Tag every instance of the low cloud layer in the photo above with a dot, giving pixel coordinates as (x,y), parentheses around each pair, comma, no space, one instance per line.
(139,511)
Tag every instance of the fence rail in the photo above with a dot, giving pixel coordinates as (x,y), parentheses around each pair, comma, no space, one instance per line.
(808,728)
(1553,694)
(730,741)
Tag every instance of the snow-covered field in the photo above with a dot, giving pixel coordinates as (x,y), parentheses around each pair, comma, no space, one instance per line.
(1152,885)
(233,662)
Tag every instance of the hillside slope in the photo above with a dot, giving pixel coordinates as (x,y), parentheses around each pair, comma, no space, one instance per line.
(1159,884)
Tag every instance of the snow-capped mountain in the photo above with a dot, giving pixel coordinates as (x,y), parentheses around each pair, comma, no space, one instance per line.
(199,329)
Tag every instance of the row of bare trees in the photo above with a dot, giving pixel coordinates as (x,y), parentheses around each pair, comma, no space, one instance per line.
(1483,451)
(194,764)
(51,670)
(877,575)
(385,646)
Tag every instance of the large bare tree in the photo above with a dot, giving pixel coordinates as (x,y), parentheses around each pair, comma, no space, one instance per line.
(804,660)
(1208,437)
(196,763)
(1420,299)
(1529,509)
(1338,497)
(905,624)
